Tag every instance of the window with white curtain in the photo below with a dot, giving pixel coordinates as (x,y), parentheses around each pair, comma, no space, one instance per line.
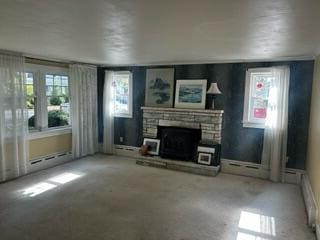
(48,100)
(122,93)
(58,104)
(256,97)
(31,100)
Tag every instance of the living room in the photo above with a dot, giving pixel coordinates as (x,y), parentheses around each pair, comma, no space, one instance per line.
(159,120)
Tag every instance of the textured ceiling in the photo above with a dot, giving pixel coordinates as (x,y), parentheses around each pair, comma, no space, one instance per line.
(119,32)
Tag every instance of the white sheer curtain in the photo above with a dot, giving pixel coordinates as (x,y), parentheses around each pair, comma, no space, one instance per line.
(84,111)
(276,129)
(108,112)
(13,118)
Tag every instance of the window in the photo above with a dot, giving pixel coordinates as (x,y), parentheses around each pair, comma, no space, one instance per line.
(122,94)
(31,100)
(47,92)
(57,93)
(256,97)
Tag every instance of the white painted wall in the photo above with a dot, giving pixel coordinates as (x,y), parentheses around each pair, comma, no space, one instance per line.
(313,155)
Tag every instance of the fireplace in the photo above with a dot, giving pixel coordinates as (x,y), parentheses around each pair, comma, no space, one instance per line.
(179,143)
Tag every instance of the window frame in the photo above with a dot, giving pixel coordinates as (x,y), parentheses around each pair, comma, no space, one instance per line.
(45,98)
(246,121)
(129,114)
(39,72)
(36,97)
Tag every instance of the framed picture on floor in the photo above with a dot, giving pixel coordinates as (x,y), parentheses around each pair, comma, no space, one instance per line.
(153,145)
(159,87)
(204,158)
(191,93)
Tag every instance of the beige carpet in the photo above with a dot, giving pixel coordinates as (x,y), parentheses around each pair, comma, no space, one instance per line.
(113,198)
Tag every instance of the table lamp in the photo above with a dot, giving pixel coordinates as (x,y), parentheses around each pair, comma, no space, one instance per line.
(213,91)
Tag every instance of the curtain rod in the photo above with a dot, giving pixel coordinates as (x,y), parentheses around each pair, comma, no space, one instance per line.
(46,62)
(54,63)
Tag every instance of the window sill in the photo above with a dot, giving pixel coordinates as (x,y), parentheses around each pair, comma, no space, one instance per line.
(253,125)
(123,116)
(49,132)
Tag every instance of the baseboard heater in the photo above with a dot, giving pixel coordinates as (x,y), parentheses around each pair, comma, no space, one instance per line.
(35,162)
(127,148)
(49,161)
(245,166)
(127,151)
(310,202)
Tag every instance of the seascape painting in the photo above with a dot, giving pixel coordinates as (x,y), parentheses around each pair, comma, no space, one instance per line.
(191,93)
(159,87)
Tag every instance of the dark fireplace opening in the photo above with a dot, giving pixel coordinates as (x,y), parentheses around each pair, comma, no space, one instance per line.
(179,143)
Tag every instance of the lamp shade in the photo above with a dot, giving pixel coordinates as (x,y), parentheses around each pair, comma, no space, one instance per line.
(214,89)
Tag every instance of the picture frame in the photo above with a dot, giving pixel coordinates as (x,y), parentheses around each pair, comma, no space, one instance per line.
(191,93)
(154,145)
(204,158)
(159,87)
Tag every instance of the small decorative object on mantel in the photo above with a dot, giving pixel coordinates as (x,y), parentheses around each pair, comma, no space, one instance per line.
(213,91)
(191,93)
(159,87)
(153,146)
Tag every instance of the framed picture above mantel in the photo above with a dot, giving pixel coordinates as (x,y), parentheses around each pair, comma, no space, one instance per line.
(191,94)
(159,87)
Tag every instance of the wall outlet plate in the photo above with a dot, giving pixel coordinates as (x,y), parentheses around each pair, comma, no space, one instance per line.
(121,139)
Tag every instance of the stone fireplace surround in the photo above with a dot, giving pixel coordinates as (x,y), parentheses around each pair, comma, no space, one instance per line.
(209,121)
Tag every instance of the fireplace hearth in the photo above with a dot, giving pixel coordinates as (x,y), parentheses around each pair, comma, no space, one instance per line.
(179,143)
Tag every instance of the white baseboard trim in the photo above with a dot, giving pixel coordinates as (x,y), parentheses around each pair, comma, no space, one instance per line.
(49,161)
(293,176)
(126,151)
(310,202)
(249,169)
(227,166)
(243,168)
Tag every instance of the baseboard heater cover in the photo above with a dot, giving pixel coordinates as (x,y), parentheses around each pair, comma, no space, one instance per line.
(62,154)
(249,169)
(235,165)
(310,203)
(49,158)
(127,148)
(35,161)
(49,161)
(252,167)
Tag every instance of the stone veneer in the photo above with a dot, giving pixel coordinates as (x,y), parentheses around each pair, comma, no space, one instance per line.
(209,121)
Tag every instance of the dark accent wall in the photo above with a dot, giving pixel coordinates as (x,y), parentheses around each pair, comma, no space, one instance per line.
(238,143)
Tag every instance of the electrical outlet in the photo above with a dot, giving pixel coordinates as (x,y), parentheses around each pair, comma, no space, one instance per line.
(121,139)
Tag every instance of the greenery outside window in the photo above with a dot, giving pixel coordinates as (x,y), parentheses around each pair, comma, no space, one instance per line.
(48,101)
(31,100)
(58,106)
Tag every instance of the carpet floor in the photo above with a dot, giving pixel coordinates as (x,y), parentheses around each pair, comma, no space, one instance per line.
(110,197)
